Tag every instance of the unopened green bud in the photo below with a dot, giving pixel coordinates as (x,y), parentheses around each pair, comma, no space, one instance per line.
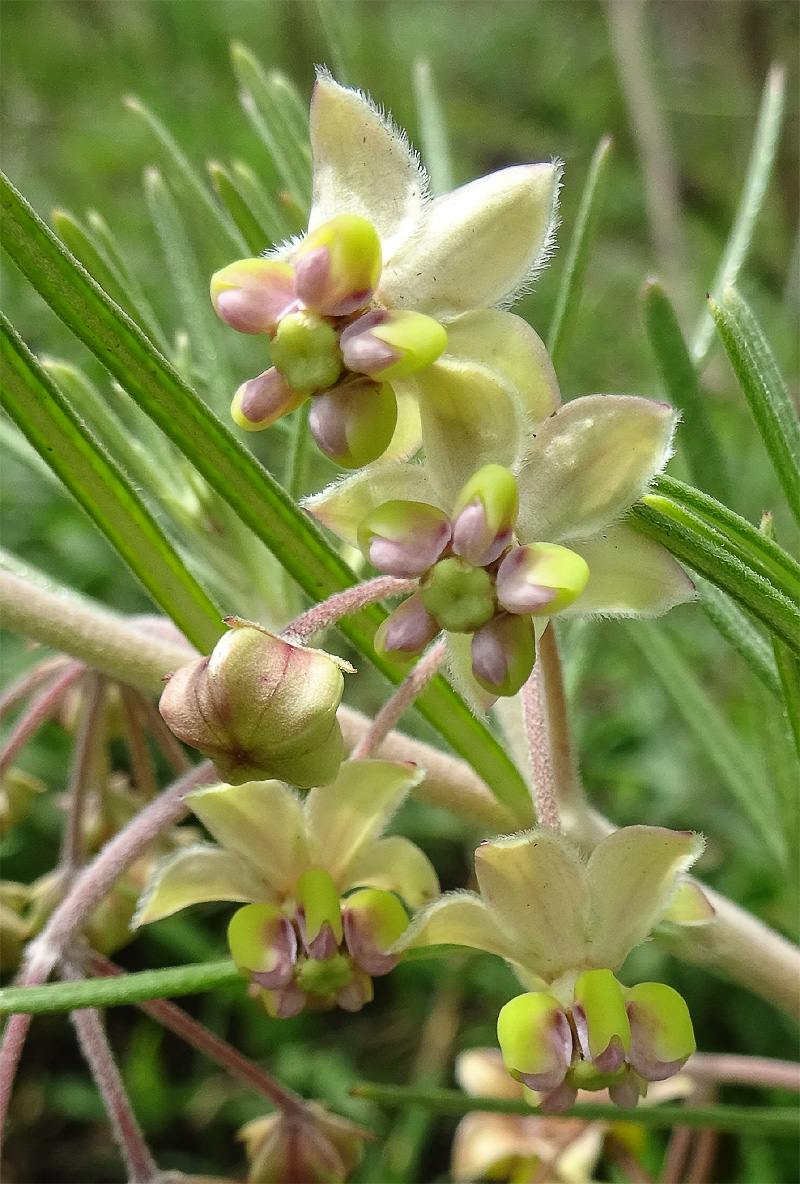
(459,596)
(535,1040)
(484,515)
(393,344)
(260,707)
(600,1020)
(306,351)
(541,579)
(338,265)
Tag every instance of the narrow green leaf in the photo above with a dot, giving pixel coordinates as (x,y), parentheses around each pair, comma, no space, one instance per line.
(696,436)
(234,473)
(203,327)
(271,103)
(755,547)
(786,662)
(106,242)
(565,313)
(740,634)
(713,734)
(188,175)
(250,228)
(774,1122)
(124,988)
(39,409)
(434,142)
(762,382)
(263,202)
(762,159)
(332,18)
(748,587)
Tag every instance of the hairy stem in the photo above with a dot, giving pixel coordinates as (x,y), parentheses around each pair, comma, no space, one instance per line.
(141,1166)
(38,713)
(400,701)
(29,681)
(568,788)
(730,1068)
(343,603)
(534,707)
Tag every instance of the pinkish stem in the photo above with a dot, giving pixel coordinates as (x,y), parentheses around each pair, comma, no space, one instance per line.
(344,603)
(391,712)
(29,681)
(38,712)
(80,771)
(740,1070)
(534,709)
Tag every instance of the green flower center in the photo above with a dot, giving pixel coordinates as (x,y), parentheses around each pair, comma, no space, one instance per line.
(460,597)
(306,351)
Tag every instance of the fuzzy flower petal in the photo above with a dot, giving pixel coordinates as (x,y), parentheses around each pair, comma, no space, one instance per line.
(197,875)
(589,463)
(477,245)
(457,919)
(396,865)
(343,506)
(629,576)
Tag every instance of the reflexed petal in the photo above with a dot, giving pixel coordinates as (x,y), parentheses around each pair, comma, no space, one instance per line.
(261,822)
(457,919)
(632,877)
(196,875)
(534,885)
(477,245)
(470,417)
(346,815)
(629,576)
(343,506)
(507,344)
(362,165)
(396,865)
(589,463)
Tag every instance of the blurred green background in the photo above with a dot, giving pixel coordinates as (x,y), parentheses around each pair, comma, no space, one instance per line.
(518,81)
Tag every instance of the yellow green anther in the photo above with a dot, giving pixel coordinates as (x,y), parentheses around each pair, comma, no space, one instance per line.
(252,295)
(484,515)
(318,898)
(662,1036)
(338,265)
(459,596)
(541,579)
(306,351)
(535,1040)
(601,1020)
(263,944)
(373,921)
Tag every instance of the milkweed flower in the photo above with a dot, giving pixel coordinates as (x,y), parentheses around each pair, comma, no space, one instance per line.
(515,523)
(322,890)
(566,926)
(392,294)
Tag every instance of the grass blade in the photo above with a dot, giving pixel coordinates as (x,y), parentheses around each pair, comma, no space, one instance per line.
(266,206)
(233,472)
(565,313)
(125,988)
(762,158)
(434,143)
(39,409)
(740,634)
(250,228)
(762,382)
(697,437)
(332,18)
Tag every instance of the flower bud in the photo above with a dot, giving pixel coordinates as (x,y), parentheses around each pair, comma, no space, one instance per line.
(263,945)
(459,596)
(600,1019)
(662,1036)
(404,538)
(392,344)
(319,915)
(406,631)
(354,423)
(338,266)
(484,515)
(308,1147)
(541,579)
(536,1040)
(261,401)
(503,653)
(252,295)
(373,921)
(260,707)
(306,351)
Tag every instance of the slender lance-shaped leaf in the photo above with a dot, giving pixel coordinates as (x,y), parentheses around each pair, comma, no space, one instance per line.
(250,228)
(762,158)
(271,103)
(234,473)
(434,142)
(696,437)
(762,382)
(787,663)
(775,1122)
(202,324)
(113,992)
(737,533)
(188,175)
(740,634)
(712,732)
(569,291)
(39,409)
(263,202)
(702,552)
(333,19)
